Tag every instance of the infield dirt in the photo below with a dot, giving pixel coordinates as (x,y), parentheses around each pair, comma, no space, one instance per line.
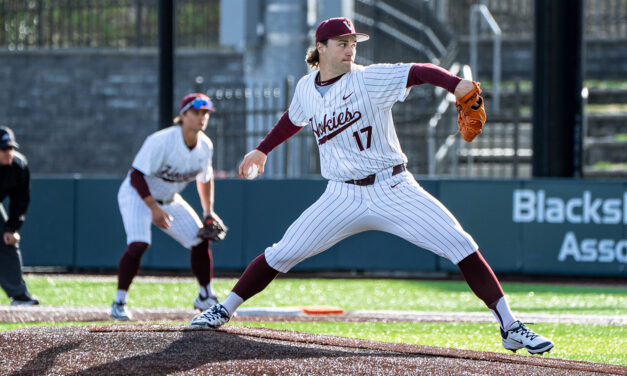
(151,349)
(147,349)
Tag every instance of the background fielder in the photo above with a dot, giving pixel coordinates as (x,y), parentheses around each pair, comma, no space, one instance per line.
(348,107)
(167,161)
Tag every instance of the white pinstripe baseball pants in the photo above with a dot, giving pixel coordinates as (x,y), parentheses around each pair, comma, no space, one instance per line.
(395,204)
(137,218)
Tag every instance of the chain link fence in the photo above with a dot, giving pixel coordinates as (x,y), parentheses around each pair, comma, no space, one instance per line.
(603,19)
(243,117)
(29,24)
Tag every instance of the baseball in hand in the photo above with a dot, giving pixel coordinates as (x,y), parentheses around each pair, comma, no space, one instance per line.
(252,172)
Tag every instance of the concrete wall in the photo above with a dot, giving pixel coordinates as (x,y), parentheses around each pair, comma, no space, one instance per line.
(87,111)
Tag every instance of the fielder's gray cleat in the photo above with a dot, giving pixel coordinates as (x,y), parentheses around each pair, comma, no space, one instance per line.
(206,303)
(214,317)
(24,300)
(118,312)
(519,336)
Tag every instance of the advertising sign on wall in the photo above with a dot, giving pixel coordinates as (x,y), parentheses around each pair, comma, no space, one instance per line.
(547,226)
(572,227)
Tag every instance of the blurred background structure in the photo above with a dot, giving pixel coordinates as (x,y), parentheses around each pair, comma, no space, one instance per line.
(80,81)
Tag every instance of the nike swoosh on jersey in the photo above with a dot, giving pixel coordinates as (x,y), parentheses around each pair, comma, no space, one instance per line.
(346,97)
(392,186)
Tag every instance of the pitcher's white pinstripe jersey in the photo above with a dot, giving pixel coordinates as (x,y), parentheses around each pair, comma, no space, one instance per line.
(353,121)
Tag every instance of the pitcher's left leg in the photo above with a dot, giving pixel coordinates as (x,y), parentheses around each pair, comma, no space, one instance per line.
(405,209)
(482,281)
(410,212)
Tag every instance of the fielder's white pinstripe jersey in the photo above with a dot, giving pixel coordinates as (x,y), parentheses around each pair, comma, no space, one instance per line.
(353,122)
(169,165)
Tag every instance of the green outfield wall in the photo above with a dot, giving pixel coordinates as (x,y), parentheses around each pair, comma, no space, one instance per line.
(538,226)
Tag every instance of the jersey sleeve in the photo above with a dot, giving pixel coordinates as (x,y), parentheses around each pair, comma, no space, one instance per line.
(150,156)
(296,111)
(387,83)
(282,130)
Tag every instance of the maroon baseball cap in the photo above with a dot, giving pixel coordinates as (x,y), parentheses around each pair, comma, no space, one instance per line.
(197,101)
(338,27)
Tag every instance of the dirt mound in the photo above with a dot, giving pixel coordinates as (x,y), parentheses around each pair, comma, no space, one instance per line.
(166,349)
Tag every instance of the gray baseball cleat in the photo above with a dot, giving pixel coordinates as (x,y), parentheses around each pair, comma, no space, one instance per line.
(24,300)
(519,336)
(206,303)
(214,317)
(119,313)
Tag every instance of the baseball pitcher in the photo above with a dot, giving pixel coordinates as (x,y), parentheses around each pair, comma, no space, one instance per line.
(348,107)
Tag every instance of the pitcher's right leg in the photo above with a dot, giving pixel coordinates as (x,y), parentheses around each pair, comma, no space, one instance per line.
(330,219)
(323,224)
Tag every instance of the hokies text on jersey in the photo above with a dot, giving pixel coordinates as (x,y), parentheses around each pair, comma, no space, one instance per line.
(333,125)
(168,174)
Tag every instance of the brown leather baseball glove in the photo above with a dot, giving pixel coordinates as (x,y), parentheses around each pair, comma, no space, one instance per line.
(470,113)
(213,229)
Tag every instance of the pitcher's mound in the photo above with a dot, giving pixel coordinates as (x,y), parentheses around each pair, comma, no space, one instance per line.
(168,349)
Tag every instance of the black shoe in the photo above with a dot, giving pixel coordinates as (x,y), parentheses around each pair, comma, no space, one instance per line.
(24,300)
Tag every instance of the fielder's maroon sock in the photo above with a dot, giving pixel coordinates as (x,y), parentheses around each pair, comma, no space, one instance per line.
(481,279)
(255,278)
(201,260)
(128,267)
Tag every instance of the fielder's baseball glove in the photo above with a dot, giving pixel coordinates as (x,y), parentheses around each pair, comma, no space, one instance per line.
(470,113)
(213,229)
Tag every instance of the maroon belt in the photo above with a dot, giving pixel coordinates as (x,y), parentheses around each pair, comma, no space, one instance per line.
(369,180)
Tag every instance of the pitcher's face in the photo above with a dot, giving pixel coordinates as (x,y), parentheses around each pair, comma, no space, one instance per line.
(339,53)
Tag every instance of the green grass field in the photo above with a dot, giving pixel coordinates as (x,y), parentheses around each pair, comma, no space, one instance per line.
(596,343)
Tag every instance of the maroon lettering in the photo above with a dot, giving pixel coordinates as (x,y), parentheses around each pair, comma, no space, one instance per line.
(169,174)
(331,127)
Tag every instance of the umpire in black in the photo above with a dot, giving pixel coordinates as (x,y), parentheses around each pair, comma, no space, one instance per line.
(14,184)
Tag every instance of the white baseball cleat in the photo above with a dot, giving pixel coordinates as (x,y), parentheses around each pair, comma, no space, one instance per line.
(206,303)
(214,317)
(519,336)
(119,313)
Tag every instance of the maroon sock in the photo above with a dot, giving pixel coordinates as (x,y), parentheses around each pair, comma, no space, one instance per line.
(201,261)
(481,279)
(128,267)
(255,278)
